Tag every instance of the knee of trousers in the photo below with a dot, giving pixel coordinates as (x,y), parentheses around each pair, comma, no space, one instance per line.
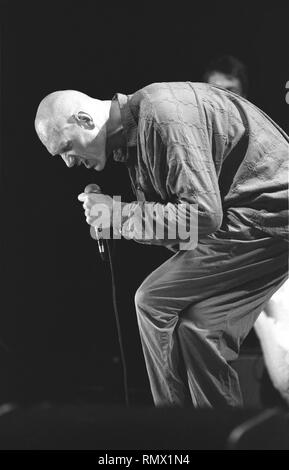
(157,310)
(144,310)
(143,299)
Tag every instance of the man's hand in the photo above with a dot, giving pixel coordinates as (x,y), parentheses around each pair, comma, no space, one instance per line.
(98,209)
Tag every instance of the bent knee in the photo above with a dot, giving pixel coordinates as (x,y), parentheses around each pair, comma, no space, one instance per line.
(142,297)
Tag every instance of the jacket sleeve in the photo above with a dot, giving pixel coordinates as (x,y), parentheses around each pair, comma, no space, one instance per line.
(183,171)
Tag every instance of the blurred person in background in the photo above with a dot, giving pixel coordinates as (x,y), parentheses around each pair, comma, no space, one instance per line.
(228,72)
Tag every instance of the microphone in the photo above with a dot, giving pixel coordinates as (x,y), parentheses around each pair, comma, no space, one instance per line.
(94,188)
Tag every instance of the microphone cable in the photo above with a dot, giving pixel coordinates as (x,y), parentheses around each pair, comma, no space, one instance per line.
(94,188)
(117,321)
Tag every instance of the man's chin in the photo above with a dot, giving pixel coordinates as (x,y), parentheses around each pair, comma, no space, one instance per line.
(99,166)
(100,163)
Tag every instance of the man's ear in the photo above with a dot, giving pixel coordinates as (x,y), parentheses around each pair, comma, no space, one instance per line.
(83,120)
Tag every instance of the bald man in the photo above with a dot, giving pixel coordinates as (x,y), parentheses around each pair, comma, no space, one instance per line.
(226,161)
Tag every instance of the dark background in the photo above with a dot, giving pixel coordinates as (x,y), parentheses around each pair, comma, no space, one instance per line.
(57,328)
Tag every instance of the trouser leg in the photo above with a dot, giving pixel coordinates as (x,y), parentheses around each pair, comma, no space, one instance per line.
(212,381)
(161,353)
(194,311)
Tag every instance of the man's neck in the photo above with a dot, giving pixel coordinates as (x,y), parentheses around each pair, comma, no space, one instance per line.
(115,137)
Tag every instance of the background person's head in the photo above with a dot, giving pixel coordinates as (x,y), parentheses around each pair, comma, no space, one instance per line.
(73,125)
(227,72)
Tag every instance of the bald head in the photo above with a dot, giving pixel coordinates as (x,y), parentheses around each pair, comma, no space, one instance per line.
(64,102)
(75,126)
(57,109)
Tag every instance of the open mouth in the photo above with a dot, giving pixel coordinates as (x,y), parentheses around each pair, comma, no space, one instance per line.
(81,161)
(88,165)
(77,160)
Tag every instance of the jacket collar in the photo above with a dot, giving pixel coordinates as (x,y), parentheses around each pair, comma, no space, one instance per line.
(129,126)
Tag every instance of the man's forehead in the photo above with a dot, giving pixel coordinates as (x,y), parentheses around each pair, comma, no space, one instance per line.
(50,137)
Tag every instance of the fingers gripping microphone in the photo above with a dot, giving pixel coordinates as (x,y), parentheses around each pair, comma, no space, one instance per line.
(94,188)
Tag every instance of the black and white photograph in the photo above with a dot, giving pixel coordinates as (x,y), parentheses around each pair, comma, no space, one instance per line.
(144,229)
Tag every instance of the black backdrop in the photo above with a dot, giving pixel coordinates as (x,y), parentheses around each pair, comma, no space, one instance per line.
(56,326)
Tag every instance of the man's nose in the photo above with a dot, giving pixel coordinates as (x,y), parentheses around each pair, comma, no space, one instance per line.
(69,161)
